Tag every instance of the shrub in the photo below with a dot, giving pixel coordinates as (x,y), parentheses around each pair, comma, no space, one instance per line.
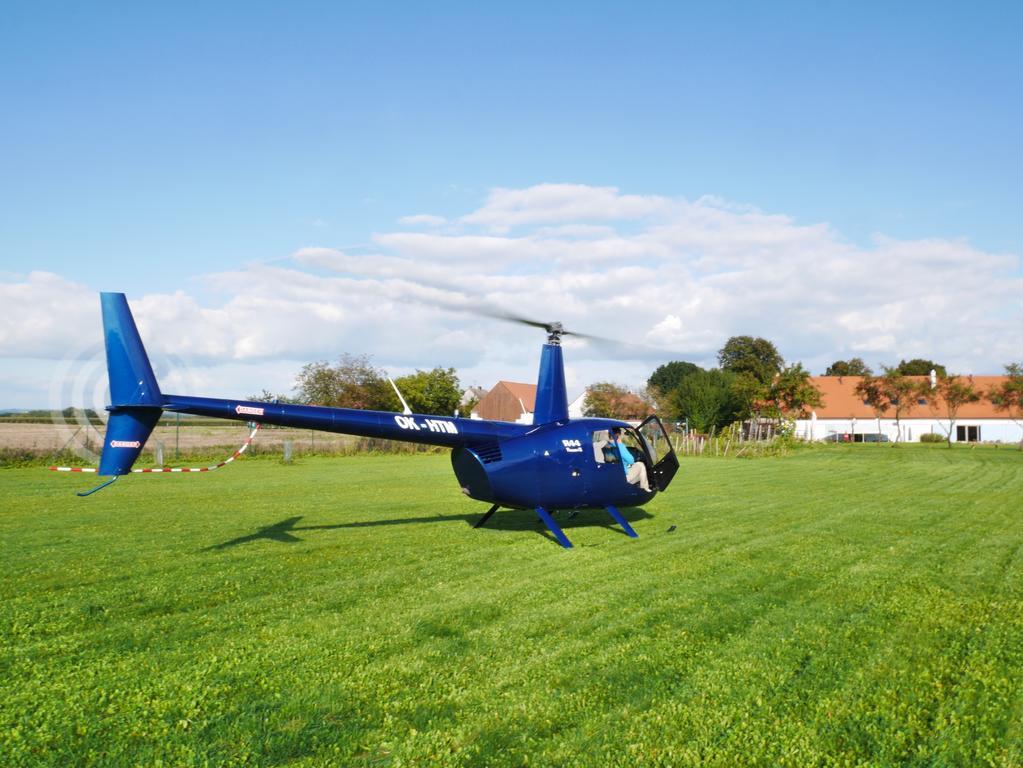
(931,437)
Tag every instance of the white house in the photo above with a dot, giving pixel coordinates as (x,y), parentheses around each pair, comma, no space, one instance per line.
(575,408)
(843,415)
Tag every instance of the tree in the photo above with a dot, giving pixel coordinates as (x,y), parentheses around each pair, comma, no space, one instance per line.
(791,392)
(612,401)
(891,391)
(852,367)
(352,383)
(646,401)
(667,377)
(432,392)
(873,393)
(920,367)
(749,394)
(951,394)
(664,381)
(706,399)
(755,356)
(1008,396)
(266,396)
(465,409)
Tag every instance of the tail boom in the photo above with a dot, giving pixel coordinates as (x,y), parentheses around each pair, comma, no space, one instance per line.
(137,403)
(413,428)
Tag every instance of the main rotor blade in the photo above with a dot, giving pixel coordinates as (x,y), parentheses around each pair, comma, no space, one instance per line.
(473,306)
(458,300)
(614,347)
(511,317)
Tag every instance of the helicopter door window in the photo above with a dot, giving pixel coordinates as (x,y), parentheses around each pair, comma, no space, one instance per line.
(654,438)
(663,454)
(603,452)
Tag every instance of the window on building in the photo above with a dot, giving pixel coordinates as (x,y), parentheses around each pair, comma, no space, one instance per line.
(967,433)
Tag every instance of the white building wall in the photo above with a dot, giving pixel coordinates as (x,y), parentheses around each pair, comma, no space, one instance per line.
(575,408)
(991,430)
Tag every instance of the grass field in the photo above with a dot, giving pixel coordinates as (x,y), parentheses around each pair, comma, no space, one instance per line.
(850,605)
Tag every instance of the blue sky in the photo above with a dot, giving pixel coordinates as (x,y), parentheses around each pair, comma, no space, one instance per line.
(147,146)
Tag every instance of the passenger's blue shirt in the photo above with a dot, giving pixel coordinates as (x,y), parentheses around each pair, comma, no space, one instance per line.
(627,460)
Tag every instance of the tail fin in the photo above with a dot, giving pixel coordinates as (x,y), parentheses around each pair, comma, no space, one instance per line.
(135,397)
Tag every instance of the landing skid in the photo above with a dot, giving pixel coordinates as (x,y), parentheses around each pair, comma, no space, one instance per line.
(613,511)
(555,529)
(545,517)
(487,515)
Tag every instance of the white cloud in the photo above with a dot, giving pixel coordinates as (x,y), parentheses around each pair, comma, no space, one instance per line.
(42,314)
(562,203)
(649,270)
(422,220)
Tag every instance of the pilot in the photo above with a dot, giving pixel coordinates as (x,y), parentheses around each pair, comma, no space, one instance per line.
(635,471)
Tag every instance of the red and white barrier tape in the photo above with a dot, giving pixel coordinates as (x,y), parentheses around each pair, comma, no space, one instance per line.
(235,455)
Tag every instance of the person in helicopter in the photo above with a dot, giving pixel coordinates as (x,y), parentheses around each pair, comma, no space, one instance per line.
(635,471)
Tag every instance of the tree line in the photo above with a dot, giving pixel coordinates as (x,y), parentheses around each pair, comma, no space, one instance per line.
(354,382)
(751,381)
(856,367)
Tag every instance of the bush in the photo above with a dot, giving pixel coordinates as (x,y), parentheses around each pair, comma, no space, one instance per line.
(931,437)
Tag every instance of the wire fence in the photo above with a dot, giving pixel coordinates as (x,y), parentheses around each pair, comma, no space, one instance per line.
(79,444)
(738,440)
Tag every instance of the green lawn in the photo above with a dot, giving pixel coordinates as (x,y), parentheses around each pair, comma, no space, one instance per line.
(850,605)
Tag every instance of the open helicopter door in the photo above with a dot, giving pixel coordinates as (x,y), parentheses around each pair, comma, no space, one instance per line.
(661,451)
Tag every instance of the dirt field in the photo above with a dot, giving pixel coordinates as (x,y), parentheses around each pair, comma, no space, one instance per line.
(54,437)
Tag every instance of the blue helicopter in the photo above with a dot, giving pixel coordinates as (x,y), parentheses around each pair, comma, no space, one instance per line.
(556,463)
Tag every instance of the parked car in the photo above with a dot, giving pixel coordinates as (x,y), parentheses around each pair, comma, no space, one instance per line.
(859,437)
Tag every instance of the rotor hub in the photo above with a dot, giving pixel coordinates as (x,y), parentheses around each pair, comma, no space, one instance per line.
(554,333)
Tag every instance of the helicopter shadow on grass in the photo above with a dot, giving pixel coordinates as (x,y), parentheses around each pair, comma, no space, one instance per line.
(285,531)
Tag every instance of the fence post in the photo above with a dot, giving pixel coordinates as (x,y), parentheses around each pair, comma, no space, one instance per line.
(287,451)
(159,453)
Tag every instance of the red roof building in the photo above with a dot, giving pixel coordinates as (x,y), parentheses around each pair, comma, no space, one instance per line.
(508,401)
(843,415)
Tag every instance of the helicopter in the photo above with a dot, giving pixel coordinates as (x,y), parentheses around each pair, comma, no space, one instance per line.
(555,463)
